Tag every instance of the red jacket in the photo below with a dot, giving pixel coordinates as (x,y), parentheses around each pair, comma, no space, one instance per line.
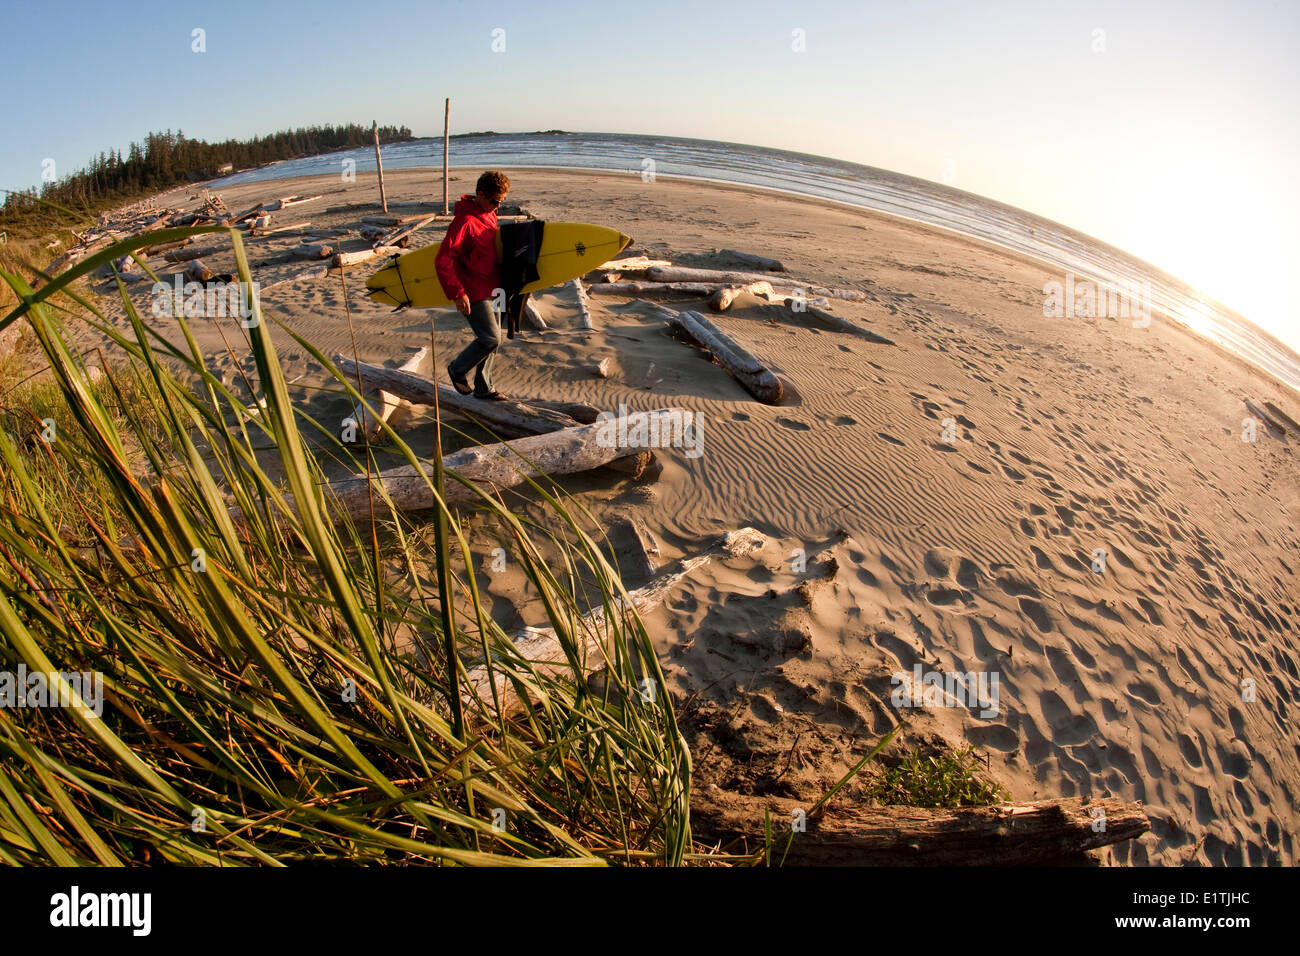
(467,261)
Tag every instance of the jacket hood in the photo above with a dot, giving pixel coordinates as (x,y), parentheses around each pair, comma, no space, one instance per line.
(469,206)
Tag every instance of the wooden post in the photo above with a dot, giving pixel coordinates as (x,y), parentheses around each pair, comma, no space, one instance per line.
(446,126)
(379,162)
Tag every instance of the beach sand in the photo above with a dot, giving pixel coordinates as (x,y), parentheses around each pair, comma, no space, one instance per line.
(974,554)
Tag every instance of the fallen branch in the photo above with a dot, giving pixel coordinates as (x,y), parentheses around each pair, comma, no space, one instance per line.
(507,418)
(493,467)
(386,402)
(401,236)
(753,261)
(743,365)
(342,259)
(725,277)
(584,305)
(721,300)
(1005,835)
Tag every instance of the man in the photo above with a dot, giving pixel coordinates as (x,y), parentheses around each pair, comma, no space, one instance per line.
(470,275)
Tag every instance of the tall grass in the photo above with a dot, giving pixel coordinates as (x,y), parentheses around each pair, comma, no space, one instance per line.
(274,691)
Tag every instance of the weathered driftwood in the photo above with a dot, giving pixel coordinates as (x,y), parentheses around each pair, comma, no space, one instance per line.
(196,271)
(632,264)
(379,164)
(601,369)
(1004,835)
(250,213)
(313,250)
(584,305)
(507,418)
(342,259)
(491,467)
(534,317)
(743,365)
(638,287)
(373,232)
(753,261)
(647,548)
(721,300)
(584,413)
(299,227)
(385,403)
(401,236)
(192,252)
(727,277)
(166,247)
(388,222)
(315,272)
(287,202)
(544,647)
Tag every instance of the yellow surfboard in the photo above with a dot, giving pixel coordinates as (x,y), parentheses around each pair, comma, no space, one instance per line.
(569,249)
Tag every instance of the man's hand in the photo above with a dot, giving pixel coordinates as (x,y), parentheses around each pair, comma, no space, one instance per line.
(462,304)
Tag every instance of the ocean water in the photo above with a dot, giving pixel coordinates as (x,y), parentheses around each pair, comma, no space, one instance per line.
(1068,251)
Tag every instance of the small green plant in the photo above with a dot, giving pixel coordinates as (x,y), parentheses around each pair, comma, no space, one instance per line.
(948,779)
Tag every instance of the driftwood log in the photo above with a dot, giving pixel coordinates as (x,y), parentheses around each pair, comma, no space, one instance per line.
(491,467)
(638,287)
(315,272)
(743,365)
(544,647)
(508,419)
(190,252)
(726,277)
(342,259)
(301,228)
(401,236)
(584,305)
(631,264)
(385,403)
(721,300)
(534,317)
(166,247)
(1003,835)
(310,250)
(753,261)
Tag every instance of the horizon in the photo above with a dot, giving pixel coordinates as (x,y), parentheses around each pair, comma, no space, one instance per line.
(1204,193)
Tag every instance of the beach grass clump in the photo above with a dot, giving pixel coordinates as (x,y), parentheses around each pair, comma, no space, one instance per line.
(945,779)
(233,676)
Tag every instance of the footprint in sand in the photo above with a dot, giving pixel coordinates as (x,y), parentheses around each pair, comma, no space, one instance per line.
(1036,613)
(890,438)
(796,426)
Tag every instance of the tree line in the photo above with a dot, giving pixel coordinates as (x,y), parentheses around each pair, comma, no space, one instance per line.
(167,159)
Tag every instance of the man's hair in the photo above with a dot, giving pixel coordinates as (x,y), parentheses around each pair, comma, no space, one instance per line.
(493,183)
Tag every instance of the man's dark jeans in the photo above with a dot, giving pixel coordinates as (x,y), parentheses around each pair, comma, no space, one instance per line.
(479,355)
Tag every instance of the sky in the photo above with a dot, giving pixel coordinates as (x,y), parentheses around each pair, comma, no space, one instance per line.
(1169,129)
